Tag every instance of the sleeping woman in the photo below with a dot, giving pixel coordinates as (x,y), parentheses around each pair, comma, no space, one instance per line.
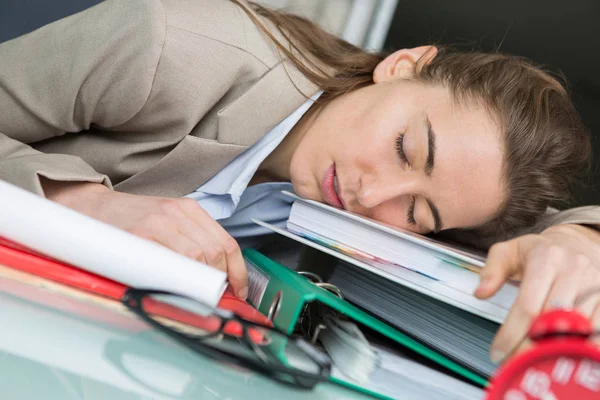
(178,120)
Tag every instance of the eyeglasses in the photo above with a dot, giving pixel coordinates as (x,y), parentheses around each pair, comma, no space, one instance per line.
(267,350)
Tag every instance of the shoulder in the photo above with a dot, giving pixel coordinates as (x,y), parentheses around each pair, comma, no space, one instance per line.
(102,59)
(224,22)
(145,19)
(586,215)
(107,21)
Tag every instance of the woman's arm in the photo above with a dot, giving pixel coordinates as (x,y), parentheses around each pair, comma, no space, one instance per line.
(96,68)
(177,223)
(587,215)
(92,68)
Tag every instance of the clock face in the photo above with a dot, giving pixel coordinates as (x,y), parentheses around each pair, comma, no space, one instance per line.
(567,370)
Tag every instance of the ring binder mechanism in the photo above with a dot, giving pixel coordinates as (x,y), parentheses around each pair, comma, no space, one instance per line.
(304,324)
(316,279)
(315,309)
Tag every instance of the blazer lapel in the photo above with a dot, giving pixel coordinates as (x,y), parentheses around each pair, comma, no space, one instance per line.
(240,124)
(270,100)
(185,168)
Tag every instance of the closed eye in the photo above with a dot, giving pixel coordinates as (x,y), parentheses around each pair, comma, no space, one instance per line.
(400,147)
(410,215)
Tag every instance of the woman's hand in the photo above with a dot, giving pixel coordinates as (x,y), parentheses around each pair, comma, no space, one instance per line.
(554,267)
(179,224)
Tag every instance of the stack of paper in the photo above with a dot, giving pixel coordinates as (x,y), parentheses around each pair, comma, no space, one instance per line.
(460,335)
(382,370)
(420,286)
(359,237)
(402,378)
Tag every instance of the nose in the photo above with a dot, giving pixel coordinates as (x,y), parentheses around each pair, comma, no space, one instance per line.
(375,190)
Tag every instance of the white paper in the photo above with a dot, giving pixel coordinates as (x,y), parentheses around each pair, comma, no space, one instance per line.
(77,239)
(424,241)
(410,279)
(432,381)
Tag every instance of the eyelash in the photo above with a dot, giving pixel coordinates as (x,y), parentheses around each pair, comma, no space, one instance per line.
(410,215)
(400,147)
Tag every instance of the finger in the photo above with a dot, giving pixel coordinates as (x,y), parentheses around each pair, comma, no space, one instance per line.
(503,261)
(588,306)
(537,281)
(215,256)
(179,243)
(227,252)
(236,267)
(595,318)
(200,233)
(208,253)
(588,294)
(188,227)
(238,274)
(524,345)
(564,290)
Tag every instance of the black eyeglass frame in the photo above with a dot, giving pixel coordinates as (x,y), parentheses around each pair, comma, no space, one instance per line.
(270,366)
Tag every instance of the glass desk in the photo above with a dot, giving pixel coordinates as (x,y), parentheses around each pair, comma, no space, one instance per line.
(54,346)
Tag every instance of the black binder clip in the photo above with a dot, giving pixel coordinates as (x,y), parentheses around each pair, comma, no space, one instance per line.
(310,314)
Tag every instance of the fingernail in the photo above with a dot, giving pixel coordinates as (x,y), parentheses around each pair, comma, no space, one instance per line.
(483,282)
(480,287)
(497,355)
(243,293)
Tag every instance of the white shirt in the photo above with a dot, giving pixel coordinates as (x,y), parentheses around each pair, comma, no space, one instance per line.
(227,198)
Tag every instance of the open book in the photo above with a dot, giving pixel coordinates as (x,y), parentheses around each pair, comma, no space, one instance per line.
(419,285)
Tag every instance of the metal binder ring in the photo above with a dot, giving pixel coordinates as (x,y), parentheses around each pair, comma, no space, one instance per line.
(311,276)
(331,288)
(275,306)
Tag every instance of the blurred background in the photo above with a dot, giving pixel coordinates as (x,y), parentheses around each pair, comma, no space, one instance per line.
(561,35)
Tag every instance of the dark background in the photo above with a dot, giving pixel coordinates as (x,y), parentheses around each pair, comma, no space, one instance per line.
(18,17)
(560,34)
(563,35)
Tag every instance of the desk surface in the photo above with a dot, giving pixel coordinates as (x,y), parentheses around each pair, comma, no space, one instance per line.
(58,347)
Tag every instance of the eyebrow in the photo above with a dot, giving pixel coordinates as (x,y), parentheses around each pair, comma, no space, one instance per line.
(429,164)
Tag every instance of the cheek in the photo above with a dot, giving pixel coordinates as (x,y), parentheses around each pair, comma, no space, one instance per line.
(369,152)
(303,183)
(366,133)
(301,176)
(394,213)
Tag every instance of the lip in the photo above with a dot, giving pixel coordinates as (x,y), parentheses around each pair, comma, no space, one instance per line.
(328,188)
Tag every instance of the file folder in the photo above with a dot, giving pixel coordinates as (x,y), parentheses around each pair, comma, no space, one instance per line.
(283,295)
(17,257)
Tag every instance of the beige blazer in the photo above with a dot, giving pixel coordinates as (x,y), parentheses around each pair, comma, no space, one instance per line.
(150,97)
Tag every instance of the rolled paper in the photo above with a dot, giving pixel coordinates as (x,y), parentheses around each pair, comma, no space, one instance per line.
(66,235)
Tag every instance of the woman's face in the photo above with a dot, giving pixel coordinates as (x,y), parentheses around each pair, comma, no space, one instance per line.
(403,153)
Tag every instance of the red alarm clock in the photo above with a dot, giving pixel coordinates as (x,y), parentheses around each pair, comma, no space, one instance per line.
(562,365)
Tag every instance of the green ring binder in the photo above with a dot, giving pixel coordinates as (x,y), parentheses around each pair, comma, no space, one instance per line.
(298,292)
